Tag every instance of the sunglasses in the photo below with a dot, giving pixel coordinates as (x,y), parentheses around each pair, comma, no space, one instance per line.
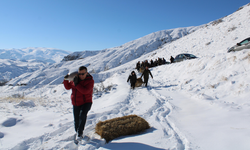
(81,73)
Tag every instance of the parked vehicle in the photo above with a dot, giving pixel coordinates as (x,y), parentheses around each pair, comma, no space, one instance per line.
(245,44)
(182,57)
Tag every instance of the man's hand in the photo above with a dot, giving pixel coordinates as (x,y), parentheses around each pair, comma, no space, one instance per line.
(76,80)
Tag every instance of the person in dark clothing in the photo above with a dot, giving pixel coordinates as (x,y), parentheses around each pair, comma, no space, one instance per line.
(159,61)
(138,66)
(145,75)
(156,62)
(151,63)
(81,98)
(146,63)
(171,59)
(132,79)
(163,61)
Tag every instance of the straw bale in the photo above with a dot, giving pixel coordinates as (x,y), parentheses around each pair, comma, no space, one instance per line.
(138,82)
(141,69)
(121,126)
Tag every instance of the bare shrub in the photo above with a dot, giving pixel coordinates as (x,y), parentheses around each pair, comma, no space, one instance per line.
(223,78)
(240,8)
(231,29)
(214,85)
(216,22)
(106,68)
(100,89)
(121,126)
(247,57)
(3,82)
(208,43)
(19,96)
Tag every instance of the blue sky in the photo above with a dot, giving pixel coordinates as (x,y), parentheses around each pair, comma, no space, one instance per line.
(78,25)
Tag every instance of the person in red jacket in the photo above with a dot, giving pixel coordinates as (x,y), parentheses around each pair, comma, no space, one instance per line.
(81,97)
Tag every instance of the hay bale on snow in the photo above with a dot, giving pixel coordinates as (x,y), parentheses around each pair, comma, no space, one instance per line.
(127,125)
(141,69)
(138,82)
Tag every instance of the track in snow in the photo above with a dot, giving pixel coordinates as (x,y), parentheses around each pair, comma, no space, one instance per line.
(156,109)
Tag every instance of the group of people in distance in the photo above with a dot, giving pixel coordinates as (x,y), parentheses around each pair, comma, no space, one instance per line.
(133,78)
(143,66)
(151,63)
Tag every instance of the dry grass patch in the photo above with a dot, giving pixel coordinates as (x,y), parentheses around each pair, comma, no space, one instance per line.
(247,57)
(223,78)
(121,126)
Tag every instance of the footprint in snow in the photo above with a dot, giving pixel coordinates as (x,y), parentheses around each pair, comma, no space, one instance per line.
(10,122)
(1,135)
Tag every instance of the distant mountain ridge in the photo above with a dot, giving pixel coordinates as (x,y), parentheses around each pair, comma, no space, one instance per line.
(50,55)
(13,68)
(14,62)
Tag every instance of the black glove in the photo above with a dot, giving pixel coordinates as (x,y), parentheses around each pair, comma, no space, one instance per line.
(66,76)
(76,80)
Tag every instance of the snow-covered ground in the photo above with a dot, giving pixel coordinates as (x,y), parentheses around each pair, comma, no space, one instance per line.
(198,104)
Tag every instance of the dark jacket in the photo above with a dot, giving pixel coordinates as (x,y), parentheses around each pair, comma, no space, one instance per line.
(171,59)
(138,65)
(132,77)
(146,74)
(82,93)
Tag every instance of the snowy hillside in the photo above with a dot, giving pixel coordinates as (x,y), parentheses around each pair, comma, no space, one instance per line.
(13,68)
(113,57)
(199,104)
(15,62)
(50,55)
(104,60)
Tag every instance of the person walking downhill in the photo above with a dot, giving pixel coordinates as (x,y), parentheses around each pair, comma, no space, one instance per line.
(81,98)
(145,75)
(132,77)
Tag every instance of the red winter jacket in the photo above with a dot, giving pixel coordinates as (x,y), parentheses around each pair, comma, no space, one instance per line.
(82,93)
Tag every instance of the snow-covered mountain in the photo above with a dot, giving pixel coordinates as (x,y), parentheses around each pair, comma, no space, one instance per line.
(50,55)
(189,105)
(98,61)
(15,62)
(113,57)
(13,68)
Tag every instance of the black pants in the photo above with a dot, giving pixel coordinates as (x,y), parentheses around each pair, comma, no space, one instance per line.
(80,116)
(146,81)
(132,85)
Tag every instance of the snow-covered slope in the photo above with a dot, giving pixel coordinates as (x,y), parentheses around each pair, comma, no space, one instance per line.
(13,68)
(198,104)
(106,59)
(15,62)
(50,55)
(113,57)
